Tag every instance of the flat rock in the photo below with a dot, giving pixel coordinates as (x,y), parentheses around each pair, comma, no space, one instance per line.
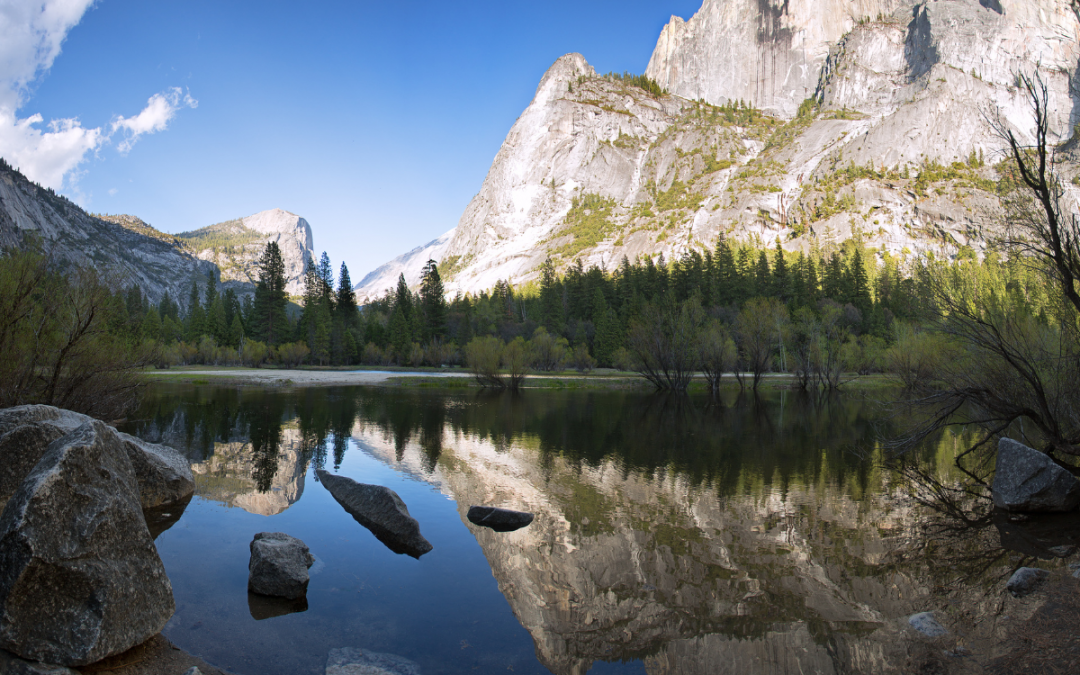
(163,474)
(13,665)
(279,565)
(925,623)
(80,578)
(1025,580)
(500,520)
(380,510)
(353,661)
(1027,480)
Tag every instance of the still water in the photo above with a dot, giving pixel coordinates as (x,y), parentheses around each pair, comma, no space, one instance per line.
(672,535)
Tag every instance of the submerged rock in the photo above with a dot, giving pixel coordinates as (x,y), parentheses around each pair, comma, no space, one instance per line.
(13,665)
(267,606)
(1025,580)
(352,661)
(500,520)
(279,565)
(1028,480)
(80,579)
(925,623)
(163,474)
(380,510)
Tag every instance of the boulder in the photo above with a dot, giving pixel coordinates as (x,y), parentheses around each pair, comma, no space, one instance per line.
(13,665)
(25,433)
(500,520)
(1025,580)
(925,623)
(80,579)
(1028,480)
(380,510)
(279,565)
(352,661)
(163,474)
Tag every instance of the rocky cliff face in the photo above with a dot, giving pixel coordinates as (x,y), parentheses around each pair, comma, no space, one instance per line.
(891,146)
(138,254)
(236,246)
(132,251)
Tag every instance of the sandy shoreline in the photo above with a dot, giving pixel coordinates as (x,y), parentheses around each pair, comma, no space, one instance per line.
(295,377)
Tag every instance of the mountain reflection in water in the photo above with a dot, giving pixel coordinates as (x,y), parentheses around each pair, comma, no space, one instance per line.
(680,534)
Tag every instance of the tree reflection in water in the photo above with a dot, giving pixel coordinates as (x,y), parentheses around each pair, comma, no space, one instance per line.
(669,528)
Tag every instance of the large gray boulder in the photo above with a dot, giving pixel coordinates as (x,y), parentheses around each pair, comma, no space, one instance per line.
(80,579)
(279,565)
(353,661)
(500,520)
(1027,480)
(163,474)
(380,510)
(25,433)
(13,665)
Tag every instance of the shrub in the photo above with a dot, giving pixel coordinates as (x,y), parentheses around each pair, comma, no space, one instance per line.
(482,356)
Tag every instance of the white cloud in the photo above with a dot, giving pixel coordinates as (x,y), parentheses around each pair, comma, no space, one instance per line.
(45,156)
(32,31)
(154,117)
(31,34)
(112,192)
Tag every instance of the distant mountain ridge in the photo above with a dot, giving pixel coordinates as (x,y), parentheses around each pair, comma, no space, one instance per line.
(811,122)
(138,254)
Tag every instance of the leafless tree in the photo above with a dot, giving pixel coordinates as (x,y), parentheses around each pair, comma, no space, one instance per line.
(1006,370)
(664,342)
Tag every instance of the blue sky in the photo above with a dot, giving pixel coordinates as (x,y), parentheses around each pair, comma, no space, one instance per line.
(375,121)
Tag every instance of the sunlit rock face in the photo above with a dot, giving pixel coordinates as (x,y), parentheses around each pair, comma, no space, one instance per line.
(897,84)
(262,483)
(815,578)
(134,252)
(766,52)
(289,231)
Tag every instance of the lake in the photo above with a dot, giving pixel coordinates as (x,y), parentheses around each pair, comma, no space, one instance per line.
(672,534)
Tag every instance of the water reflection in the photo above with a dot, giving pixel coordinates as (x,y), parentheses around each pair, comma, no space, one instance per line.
(688,536)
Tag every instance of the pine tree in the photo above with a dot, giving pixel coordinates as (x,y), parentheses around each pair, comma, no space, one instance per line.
(346,300)
(432,303)
(195,319)
(860,285)
(551,315)
(608,337)
(268,309)
(781,277)
(151,325)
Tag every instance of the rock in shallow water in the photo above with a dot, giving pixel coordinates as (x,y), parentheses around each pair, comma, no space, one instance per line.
(380,510)
(80,579)
(500,520)
(163,474)
(1027,480)
(1025,580)
(352,661)
(925,623)
(279,565)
